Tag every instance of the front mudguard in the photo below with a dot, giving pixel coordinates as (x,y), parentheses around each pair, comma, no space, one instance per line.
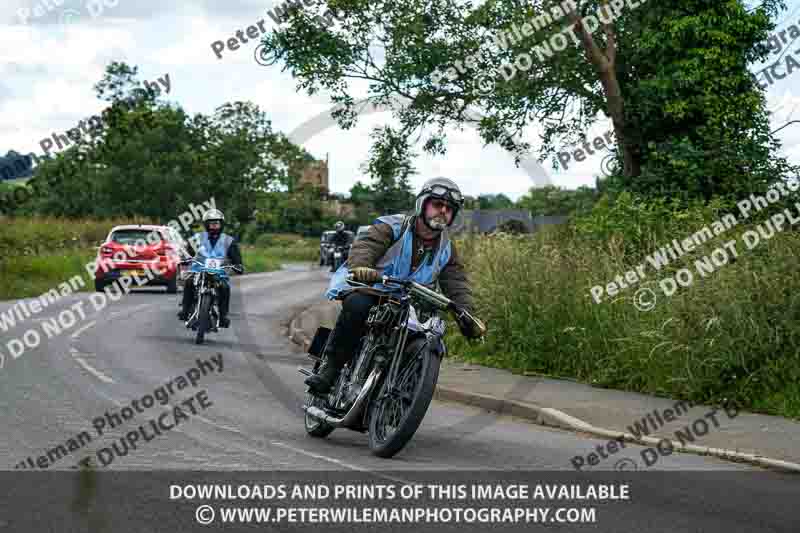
(439,347)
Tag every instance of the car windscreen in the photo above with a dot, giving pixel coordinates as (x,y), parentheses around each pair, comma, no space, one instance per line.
(131,236)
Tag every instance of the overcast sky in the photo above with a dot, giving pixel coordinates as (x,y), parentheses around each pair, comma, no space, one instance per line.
(49,64)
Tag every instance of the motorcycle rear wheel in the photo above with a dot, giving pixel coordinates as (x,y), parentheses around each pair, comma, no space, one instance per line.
(394,420)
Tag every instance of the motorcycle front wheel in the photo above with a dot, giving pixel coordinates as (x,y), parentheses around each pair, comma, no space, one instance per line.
(395,416)
(203,318)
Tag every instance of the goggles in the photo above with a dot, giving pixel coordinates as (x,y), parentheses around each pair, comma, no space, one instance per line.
(446,193)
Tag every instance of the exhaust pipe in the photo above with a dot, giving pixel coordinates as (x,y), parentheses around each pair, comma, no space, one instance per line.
(352,415)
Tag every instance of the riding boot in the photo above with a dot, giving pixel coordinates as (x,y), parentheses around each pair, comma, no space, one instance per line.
(322,381)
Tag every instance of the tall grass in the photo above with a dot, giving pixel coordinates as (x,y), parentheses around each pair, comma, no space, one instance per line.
(732,336)
(43,235)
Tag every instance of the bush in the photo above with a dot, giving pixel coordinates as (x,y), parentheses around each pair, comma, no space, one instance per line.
(515,227)
(267,240)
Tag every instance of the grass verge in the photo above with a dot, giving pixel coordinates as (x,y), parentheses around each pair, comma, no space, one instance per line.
(732,336)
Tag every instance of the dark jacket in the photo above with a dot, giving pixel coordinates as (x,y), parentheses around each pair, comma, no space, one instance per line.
(340,239)
(367,250)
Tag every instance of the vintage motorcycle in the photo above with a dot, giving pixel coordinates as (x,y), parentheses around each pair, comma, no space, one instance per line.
(387,388)
(205,315)
(339,256)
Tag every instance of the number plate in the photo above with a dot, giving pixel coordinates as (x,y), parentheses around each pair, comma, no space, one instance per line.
(130,273)
(213,263)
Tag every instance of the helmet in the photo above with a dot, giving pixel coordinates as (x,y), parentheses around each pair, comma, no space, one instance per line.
(443,189)
(339,226)
(213,215)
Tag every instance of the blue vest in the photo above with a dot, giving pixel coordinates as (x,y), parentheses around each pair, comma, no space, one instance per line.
(206,251)
(396,262)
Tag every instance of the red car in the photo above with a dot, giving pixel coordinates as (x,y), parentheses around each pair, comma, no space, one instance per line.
(162,254)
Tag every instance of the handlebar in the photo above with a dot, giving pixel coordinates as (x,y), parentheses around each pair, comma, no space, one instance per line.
(224,267)
(463,317)
(417,289)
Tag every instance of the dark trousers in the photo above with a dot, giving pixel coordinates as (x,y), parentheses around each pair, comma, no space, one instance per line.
(224,292)
(350,327)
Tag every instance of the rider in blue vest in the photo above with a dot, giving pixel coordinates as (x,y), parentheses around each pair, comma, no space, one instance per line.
(416,247)
(212,244)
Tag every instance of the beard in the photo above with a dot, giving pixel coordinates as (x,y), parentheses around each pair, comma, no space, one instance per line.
(438,223)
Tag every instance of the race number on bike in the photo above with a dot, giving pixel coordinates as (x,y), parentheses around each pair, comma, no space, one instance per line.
(214,263)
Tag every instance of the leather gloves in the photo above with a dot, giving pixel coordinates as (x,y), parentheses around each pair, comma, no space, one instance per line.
(366,275)
(471,327)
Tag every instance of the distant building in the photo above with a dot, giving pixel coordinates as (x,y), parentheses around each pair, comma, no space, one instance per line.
(546,220)
(316,175)
(488,220)
(15,166)
(336,207)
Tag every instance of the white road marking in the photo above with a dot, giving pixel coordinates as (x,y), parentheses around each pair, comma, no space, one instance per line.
(340,462)
(99,375)
(84,328)
(129,311)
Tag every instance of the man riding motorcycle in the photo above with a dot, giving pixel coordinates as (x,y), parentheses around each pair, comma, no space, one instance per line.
(340,238)
(212,244)
(416,247)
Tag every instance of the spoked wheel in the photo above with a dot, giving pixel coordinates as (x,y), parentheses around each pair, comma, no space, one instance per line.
(203,319)
(395,415)
(314,426)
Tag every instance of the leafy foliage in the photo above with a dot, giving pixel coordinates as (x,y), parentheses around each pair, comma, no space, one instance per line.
(672,75)
(151,159)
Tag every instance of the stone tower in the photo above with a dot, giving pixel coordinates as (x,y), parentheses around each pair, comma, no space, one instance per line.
(315,174)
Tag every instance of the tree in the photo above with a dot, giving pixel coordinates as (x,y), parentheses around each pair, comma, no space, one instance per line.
(494,201)
(390,166)
(552,200)
(360,194)
(151,158)
(672,76)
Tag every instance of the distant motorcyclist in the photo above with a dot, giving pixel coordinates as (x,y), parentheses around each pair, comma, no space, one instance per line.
(412,247)
(212,244)
(340,238)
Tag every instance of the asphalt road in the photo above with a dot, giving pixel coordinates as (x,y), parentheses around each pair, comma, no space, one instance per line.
(249,418)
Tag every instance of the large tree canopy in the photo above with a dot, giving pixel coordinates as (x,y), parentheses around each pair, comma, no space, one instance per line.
(670,74)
